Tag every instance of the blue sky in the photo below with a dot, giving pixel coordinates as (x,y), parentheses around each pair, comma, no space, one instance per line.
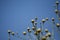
(17,14)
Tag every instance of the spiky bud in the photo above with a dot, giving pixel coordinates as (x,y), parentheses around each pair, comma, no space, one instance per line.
(32,21)
(52,19)
(33,28)
(24,33)
(49,34)
(56,11)
(46,30)
(28,28)
(47,19)
(46,35)
(12,33)
(38,30)
(9,31)
(43,38)
(43,20)
(57,2)
(58,25)
(36,33)
(29,31)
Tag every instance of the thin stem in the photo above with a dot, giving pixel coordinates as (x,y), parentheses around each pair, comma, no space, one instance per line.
(42,29)
(53,31)
(8,36)
(29,36)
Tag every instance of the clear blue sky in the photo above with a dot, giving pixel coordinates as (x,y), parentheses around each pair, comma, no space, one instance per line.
(17,14)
